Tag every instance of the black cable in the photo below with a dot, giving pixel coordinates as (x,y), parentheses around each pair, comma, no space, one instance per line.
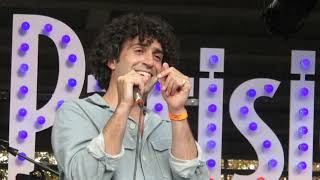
(138,144)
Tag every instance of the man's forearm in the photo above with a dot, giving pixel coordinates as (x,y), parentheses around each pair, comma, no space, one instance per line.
(114,130)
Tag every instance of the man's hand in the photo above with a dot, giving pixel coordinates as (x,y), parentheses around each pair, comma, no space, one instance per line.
(175,88)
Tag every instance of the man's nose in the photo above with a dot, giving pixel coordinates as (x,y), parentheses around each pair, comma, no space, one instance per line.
(148,59)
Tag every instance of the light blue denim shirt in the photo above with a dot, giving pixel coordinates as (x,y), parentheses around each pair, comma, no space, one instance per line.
(78,146)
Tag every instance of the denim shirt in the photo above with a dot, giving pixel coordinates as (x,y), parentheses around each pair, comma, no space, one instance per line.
(78,146)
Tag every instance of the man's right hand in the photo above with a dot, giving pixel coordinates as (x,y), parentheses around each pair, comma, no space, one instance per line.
(125,86)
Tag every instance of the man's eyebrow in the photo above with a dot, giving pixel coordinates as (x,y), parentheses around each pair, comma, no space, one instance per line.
(156,50)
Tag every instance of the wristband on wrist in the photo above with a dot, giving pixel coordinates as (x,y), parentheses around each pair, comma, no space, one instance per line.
(178,117)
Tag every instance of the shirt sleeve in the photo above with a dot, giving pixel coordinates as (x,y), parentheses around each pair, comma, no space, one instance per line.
(189,168)
(97,146)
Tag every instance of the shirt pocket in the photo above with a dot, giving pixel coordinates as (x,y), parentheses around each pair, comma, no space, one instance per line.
(161,150)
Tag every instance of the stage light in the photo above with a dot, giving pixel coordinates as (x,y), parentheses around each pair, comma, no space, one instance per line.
(251,93)
(23,134)
(22,112)
(59,104)
(304,91)
(211,128)
(21,154)
(65,39)
(25,26)
(253,126)
(211,144)
(305,63)
(244,110)
(260,178)
(24,47)
(214,59)
(157,86)
(303,147)
(267,144)
(72,58)
(47,28)
(41,120)
(158,107)
(272,163)
(212,108)
(23,68)
(211,163)
(268,88)
(23,90)
(303,112)
(303,130)
(212,88)
(72,83)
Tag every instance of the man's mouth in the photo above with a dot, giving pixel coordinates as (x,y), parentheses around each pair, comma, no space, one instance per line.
(145,74)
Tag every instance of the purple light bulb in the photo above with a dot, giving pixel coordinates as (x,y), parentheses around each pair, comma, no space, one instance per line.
(268,88)
(23,90)
(214,59)
(21,154)
(244,110)
(211,163)
(212,88)
(302,165)
(158,107)
(41,120)
(212,108)
(24,47)
(47,28)
(59,103)
(157,86)
(65,39)
(23,134)
(23,68)
(22,112)
(305,63)
(211,144)
(251,93)
(303,112)
(211,128)
(253,126)
(25,26)
(272,163)
(72,82)
(267,144)
(304,92)
(303,147)
(72,58)
(303,130)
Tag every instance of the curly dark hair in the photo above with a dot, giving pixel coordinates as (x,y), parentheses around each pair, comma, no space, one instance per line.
(110,40)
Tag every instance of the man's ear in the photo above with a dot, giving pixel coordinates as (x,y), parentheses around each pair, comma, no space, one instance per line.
(111,63)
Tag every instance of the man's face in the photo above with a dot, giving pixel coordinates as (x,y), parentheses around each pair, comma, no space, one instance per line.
(143,57)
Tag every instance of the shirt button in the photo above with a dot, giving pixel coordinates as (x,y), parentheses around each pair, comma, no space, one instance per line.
(144,158)
(132,126)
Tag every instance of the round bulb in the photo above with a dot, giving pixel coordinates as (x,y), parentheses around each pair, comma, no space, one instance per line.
(272,163)
(211,163)
(251,93)
(65,39)
(24,68)
(23,90)
(59,103)
(211,144)
(302,165)
(214,59)
(303,130)
(304,92)
(305,63)
(260,178)
(22,112)
(244,110)
(25,26)
(211,128)
(23,134)
(268,88)
(267,144)
(303,147)
(21,154)
(212,88)
(47,28)
(303,112)
(72,82)
(41,120)
(72,58)
(253,126)
(24,47)
(157,86)
(158,107)
(212,108)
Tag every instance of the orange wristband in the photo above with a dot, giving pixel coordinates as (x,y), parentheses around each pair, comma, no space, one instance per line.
(178,117)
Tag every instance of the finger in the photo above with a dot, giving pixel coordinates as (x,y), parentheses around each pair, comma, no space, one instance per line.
(170,87)
(166,82)
(165,72)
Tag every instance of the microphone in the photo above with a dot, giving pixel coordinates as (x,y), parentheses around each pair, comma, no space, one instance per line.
(137,96)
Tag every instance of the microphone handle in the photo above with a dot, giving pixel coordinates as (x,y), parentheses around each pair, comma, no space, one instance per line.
(138,99)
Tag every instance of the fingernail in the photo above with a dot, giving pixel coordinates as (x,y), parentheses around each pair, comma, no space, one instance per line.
(163,88)
(159,76)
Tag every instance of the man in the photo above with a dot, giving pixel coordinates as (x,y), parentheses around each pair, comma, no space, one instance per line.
(95,137)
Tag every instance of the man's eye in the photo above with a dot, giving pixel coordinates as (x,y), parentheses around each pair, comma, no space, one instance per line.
(138,50)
